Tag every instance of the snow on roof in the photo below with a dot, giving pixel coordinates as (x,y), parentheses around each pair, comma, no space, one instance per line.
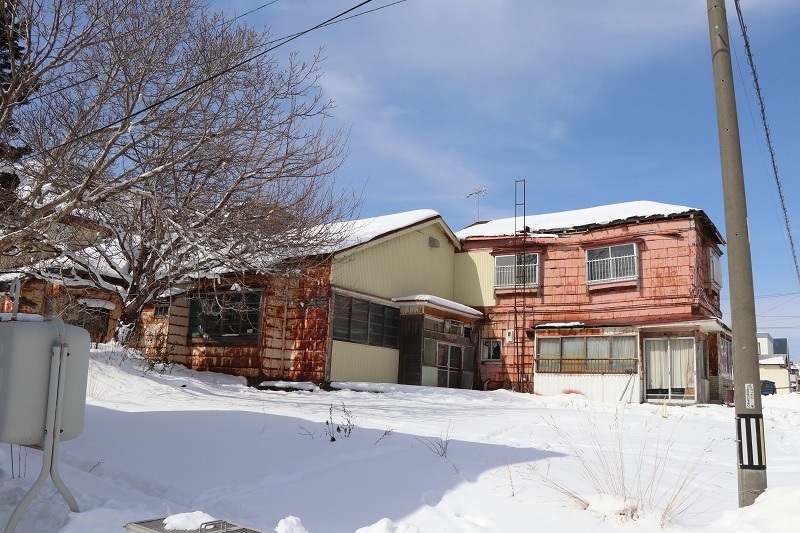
(356,232)
(561,325)
(440,302)
(97,303)
(780,360)
(573,219)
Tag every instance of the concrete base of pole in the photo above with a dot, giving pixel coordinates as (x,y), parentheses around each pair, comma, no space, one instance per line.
(751,485)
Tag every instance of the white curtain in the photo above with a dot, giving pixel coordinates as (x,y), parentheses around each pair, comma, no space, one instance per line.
(656,363)
(682,355)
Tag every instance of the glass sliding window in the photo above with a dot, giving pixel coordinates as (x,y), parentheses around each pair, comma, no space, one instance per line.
(612,263)
(623,353)
(491,350)
(222,314)
(429,352)
(364,322)
(598,352)
(573,354)
(549,355)
(516,270)
(359,321)
(714,268)
(376,324)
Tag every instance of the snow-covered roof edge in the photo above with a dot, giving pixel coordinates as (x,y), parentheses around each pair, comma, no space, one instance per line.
(579,218)
(437,301)
(363,231)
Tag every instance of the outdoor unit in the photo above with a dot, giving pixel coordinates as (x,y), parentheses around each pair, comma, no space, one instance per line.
(509,336)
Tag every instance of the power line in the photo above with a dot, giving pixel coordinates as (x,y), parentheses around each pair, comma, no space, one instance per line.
(281,41)
(757,86)
(216,75)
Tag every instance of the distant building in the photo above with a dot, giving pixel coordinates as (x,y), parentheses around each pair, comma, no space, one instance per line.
(774,363)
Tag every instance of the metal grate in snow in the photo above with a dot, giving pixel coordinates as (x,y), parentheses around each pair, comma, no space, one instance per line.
(156,525)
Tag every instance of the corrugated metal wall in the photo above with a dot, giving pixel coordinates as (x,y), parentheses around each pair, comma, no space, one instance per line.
(598,387)
(402,265)
(474,278)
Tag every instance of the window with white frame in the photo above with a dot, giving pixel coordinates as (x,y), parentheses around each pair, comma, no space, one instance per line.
(714,268)
(491,350)
(612,263)
(516,270)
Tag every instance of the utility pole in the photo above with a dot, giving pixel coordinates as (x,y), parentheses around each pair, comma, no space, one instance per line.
(752,455)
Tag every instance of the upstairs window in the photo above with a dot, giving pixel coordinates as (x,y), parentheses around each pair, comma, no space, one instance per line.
(224,314)
(612,263)
(516,270)
(714,268)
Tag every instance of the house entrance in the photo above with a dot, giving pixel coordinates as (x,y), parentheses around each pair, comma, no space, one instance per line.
(670,372)
(448,365)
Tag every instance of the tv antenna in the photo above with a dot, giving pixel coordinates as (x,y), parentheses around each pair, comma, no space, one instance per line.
(477,193)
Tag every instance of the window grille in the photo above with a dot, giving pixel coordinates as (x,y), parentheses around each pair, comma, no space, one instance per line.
(612,263)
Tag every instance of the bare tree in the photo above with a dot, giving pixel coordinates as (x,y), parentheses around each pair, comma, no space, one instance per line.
(188,146)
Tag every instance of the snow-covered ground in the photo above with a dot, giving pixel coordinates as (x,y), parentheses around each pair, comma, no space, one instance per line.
(416,460)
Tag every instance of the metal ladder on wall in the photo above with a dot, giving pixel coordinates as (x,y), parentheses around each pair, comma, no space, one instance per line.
(520,302)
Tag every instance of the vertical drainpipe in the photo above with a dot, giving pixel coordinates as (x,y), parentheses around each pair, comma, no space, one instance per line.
(283,338)
(329,354)
(640,349)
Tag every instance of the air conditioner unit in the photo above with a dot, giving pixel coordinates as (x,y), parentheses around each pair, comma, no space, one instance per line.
(509,336)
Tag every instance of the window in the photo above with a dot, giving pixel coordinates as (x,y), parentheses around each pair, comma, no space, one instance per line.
(491,350)
(586,355)
(224,314)
(364,322)
(515,270)
(612,263)
(725,356)
(161,311)
(714,268)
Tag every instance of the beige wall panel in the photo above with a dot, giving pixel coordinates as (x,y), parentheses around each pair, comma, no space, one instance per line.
(597,387)
(474,278)
(402,265)
(777,374)
(361,362)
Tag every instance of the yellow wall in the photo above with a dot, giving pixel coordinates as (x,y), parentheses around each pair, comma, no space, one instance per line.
(777,374)
(400,265)
(360,362)
(474,278)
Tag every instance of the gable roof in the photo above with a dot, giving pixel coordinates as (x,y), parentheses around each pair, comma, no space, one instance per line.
(356,233)
(570,221)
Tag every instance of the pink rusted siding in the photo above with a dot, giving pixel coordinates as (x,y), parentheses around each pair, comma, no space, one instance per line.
(293,341)
(48,299)
(673,286)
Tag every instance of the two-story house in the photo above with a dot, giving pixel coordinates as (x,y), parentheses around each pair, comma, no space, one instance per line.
(620,302)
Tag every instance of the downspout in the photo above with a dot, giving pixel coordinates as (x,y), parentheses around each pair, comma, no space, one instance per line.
(283,332)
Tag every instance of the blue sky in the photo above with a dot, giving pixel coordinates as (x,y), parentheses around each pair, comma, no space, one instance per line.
(591,103)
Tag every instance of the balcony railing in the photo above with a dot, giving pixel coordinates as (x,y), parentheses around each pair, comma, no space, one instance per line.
(519,275)
(583,365)
(612,269)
